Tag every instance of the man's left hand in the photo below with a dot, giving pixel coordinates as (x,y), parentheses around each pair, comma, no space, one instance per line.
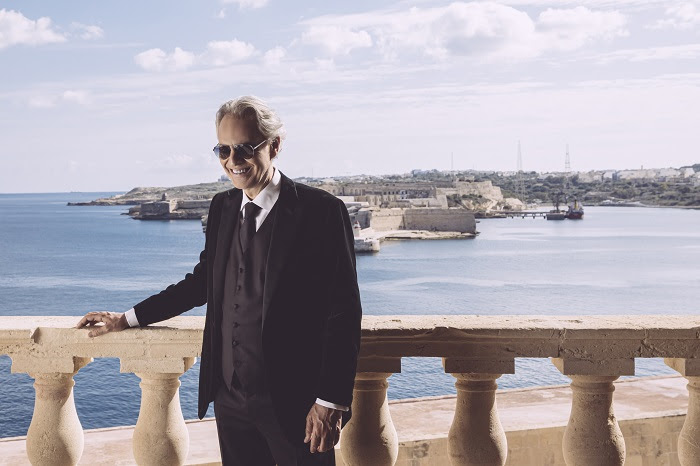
(322,428)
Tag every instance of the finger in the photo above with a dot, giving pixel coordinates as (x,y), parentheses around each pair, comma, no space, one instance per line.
(309,429)
(315,439)
(325,443)
(86,319)
(81,323)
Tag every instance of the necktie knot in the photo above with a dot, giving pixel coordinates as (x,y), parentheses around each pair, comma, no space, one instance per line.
(250,211)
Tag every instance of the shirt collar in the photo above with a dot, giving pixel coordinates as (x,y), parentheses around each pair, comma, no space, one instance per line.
(268,196)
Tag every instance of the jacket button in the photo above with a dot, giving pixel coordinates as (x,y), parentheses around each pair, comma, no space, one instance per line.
(235,324)
(240,270)
(236,306)
(239,287)
(234,343)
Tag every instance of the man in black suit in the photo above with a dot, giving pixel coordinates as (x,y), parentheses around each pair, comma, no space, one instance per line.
(282,329)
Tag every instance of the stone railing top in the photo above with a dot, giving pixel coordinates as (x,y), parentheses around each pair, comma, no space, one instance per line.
(478,337)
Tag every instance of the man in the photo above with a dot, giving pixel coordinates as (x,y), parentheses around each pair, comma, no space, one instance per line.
(282,329)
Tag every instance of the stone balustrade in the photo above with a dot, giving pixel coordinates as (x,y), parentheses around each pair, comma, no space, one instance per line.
(592,350)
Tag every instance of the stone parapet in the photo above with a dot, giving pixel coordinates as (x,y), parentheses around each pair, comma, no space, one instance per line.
(592,350)
(650,412)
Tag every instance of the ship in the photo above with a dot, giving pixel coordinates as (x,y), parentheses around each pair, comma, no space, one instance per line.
(556,214)
(575,211)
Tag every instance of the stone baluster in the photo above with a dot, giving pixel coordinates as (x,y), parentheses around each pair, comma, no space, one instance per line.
(476,436)
(55,435)
(689,438)
(160,435)
(370,436)
(593,435)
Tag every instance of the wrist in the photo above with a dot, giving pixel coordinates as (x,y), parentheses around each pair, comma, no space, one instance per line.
(123,323)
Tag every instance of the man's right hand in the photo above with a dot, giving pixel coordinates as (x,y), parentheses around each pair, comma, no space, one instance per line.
(113,322)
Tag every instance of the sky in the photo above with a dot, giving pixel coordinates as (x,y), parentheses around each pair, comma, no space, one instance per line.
(110,95)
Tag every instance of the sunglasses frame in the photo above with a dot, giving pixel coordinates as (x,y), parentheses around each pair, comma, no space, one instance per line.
(241,148)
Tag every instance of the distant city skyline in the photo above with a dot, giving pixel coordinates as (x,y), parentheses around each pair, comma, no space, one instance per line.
(106,96)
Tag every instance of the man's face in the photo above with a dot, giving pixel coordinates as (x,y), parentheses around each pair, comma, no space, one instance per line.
(252,174)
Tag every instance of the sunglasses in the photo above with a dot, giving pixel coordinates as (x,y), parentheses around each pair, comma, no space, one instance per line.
(247,151)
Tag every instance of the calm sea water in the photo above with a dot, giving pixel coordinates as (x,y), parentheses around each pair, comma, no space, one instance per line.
(59,260)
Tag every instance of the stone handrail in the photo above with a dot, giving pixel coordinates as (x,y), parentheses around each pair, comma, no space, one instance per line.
(592,350)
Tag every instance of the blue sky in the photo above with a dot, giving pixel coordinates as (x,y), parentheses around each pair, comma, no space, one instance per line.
(112,95)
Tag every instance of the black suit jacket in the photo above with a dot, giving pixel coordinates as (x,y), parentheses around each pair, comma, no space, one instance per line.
(311,302)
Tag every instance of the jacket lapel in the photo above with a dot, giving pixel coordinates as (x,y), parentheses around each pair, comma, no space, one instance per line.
(284,231)
(229,217)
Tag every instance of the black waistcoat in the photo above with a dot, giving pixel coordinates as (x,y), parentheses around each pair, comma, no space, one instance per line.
(241,325)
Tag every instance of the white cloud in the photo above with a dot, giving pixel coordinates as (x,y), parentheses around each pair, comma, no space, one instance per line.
(336,40)
(217,53)
(573,28)
(627,4)
(78,97)
(222,53)
(88,32)
(247,4)
(222,13)
(670,52)
(274,56)
(681,15)
(42,102)
(159,60)
(16,29)
(481,29)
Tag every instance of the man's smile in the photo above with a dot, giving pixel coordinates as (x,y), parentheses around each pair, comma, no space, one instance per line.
(240,171)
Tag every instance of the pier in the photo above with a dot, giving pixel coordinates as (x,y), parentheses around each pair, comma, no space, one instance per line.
(513,214)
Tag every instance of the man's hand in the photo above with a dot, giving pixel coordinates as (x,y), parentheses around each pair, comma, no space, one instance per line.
(322,428)
(113,322)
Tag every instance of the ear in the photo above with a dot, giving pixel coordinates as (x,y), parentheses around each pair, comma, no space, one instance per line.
(275,146)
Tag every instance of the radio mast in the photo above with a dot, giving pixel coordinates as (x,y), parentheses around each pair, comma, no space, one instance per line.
(519,183)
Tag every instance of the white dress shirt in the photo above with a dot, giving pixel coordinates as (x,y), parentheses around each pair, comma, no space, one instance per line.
(266,200)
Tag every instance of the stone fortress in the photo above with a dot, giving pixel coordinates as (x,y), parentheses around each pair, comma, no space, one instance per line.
(377,205)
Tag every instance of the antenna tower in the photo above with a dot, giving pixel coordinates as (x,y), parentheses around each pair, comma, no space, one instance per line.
(567,163)
(519,183)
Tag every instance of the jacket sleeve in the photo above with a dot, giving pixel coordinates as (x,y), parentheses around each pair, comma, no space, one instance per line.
(341,339)
(180,297)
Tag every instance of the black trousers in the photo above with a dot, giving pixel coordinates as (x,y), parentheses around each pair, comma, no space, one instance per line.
(250,435)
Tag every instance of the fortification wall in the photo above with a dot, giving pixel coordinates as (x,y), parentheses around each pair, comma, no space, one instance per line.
(193,204)
(157,208)
(388,219)
(431,219)
(440,220)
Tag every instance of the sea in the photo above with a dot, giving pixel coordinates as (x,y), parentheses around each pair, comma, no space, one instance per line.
(64,260)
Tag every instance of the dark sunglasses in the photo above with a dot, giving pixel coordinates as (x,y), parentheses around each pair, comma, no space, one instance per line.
(247,151)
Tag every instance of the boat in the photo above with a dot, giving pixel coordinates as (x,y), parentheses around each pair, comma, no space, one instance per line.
(575,211)
(556,214)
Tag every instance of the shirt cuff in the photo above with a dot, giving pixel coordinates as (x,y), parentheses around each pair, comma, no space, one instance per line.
(131,318)
(328,404)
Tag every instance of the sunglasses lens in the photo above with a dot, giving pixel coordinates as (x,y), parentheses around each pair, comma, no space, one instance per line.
(223,152)
(244,150)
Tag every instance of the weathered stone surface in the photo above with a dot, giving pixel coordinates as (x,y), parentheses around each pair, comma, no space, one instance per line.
(494,338)
(650,410)
(593,350)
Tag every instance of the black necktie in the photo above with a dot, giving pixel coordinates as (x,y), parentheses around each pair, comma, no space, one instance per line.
(247,229)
